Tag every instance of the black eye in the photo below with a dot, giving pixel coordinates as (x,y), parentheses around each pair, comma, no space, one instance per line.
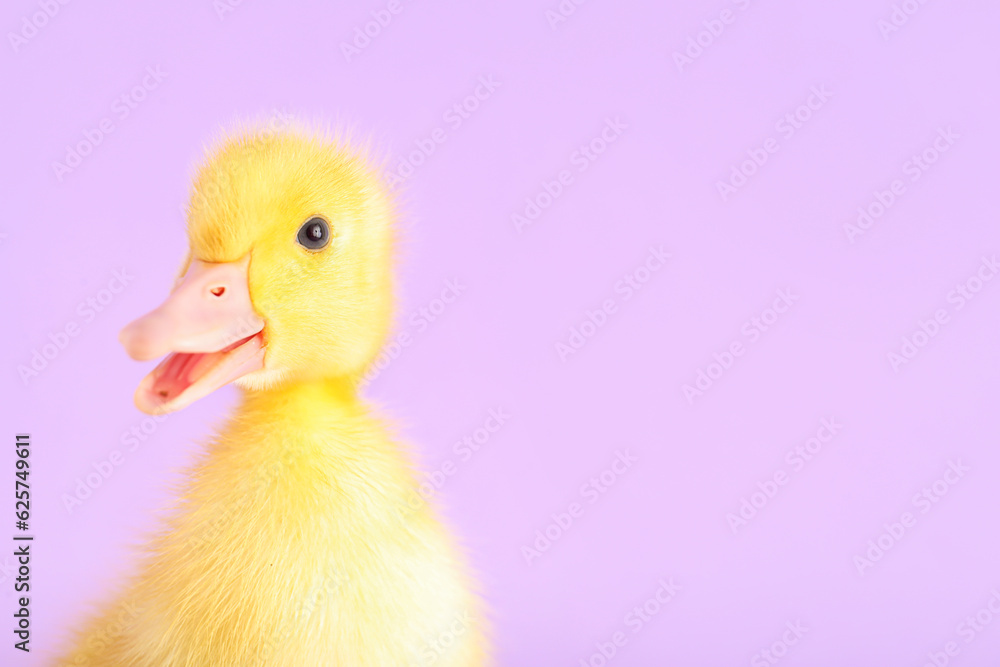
(314,234)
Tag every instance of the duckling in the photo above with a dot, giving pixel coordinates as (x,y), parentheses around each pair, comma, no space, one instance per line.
(299,538)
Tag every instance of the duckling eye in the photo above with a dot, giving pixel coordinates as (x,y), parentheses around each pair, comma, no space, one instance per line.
(314,234)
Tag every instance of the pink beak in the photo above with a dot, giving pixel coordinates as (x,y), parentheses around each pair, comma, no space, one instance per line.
(209,331)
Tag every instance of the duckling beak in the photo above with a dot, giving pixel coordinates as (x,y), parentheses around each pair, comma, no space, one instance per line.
(209,331)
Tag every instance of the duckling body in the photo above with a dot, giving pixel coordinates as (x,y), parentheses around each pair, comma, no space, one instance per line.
(300,538)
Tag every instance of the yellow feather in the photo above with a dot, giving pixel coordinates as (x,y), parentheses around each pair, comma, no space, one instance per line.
(300,538)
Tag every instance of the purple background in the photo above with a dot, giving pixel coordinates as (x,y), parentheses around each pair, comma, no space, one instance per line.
(495,346)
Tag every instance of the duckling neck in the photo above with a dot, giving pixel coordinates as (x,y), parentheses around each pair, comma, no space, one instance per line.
(316,440)
(304,400)
(320,418)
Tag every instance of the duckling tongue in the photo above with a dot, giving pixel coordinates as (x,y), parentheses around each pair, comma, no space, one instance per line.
(184,377)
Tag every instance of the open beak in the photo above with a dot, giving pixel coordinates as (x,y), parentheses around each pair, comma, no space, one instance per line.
(209,331)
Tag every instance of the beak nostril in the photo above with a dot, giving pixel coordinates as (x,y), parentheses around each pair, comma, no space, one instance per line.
(218,291)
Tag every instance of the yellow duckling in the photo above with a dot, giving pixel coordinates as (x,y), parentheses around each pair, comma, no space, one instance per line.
(300,538)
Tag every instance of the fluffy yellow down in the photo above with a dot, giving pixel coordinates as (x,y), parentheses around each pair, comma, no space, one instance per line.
(299,538)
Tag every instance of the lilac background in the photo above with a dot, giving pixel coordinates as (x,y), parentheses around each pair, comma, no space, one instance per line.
(495,346)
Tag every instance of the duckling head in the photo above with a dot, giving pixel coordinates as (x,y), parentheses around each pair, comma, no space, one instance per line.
(287,277)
